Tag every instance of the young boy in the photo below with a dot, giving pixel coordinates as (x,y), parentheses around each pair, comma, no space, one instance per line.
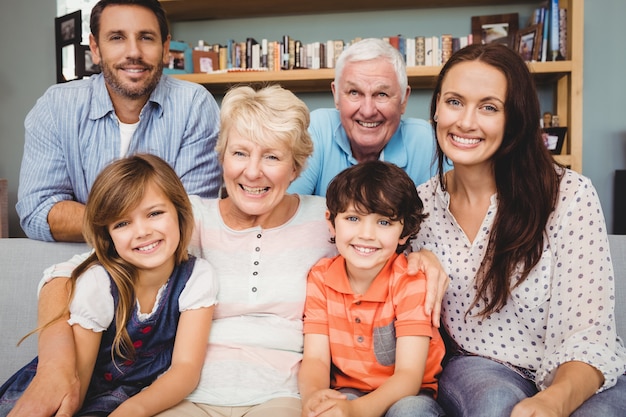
(369,347)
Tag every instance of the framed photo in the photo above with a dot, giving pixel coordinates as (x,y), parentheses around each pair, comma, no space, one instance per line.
(180,61)
(553,138)
(67,36)
(84,62)
(500,28)
(527,42)
(67,57)
(205,61)
(68,29)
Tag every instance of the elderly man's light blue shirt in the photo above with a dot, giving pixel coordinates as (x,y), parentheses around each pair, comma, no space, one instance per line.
(72,133)
(412,148)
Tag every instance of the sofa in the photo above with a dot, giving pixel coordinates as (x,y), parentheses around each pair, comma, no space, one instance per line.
(23,260)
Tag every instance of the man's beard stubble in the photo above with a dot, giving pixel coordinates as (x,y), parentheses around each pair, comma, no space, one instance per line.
(135,90)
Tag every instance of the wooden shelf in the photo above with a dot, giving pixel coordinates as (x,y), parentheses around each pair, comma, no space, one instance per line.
(185,10)
(306,80)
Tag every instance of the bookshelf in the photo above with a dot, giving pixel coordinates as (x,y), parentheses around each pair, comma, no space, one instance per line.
(565,76)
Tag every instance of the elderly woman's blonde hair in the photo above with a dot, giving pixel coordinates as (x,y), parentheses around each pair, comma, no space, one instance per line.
(271,116)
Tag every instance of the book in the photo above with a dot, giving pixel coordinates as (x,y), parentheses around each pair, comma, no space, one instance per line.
(446,47)
(428,51)
(223,59)
(436,51)
(298,55)
(420,50)
(544,37)
(264,53)
(563,32)
(554,30)
(270,56)
(395,42)
(240,58)
(315,55)
(330,53)
(250,42)
(230,54)
(256,56)
(291,48)
(338,49)
(284,60)
(410,52)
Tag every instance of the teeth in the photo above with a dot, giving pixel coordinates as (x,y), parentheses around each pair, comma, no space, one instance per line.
(371,124)
(134,70)
(149,247)
(364,250)
(465,141)
(256,190)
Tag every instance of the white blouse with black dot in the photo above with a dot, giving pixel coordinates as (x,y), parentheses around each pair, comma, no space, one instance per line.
(563,311)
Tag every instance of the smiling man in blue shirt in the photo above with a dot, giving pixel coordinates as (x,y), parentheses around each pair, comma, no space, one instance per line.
(370,92)
(77,128)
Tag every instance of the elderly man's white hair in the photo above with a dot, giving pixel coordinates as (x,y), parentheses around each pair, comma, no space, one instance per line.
(369,49)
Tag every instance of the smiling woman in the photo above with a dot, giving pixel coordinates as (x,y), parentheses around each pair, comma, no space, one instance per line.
(530,250)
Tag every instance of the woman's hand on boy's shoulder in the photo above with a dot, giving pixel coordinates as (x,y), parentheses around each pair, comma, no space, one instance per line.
(437,280)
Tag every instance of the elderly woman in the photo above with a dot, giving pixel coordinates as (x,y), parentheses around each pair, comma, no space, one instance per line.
(262,242)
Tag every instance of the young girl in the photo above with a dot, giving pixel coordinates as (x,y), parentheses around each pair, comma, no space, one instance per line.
(150,316)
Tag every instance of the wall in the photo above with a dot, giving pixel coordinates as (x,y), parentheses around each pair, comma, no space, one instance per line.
(28,68)
(604,123)
(27,36)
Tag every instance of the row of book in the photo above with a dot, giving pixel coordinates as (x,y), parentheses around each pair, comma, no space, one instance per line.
(289,53)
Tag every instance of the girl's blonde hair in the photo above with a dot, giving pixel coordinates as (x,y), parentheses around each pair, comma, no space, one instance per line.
(271,116)
(118,189)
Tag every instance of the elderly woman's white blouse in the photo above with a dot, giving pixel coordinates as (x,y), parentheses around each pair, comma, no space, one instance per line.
(563,311)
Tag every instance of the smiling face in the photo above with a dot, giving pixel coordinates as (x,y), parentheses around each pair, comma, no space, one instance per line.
(149,234)
(366,241)
(471,113)
(256,176)
(370,104)
(130,51)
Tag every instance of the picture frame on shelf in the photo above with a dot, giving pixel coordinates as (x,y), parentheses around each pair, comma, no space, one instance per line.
(180,60)
(554,137)
(67,37)
(500,28)
(68,29)
(527,42)
(85,66)
(205,61)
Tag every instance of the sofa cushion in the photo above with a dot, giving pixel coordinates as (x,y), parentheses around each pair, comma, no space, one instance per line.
(22,262)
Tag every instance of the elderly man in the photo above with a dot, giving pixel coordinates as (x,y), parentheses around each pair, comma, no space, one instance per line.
(370,92)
